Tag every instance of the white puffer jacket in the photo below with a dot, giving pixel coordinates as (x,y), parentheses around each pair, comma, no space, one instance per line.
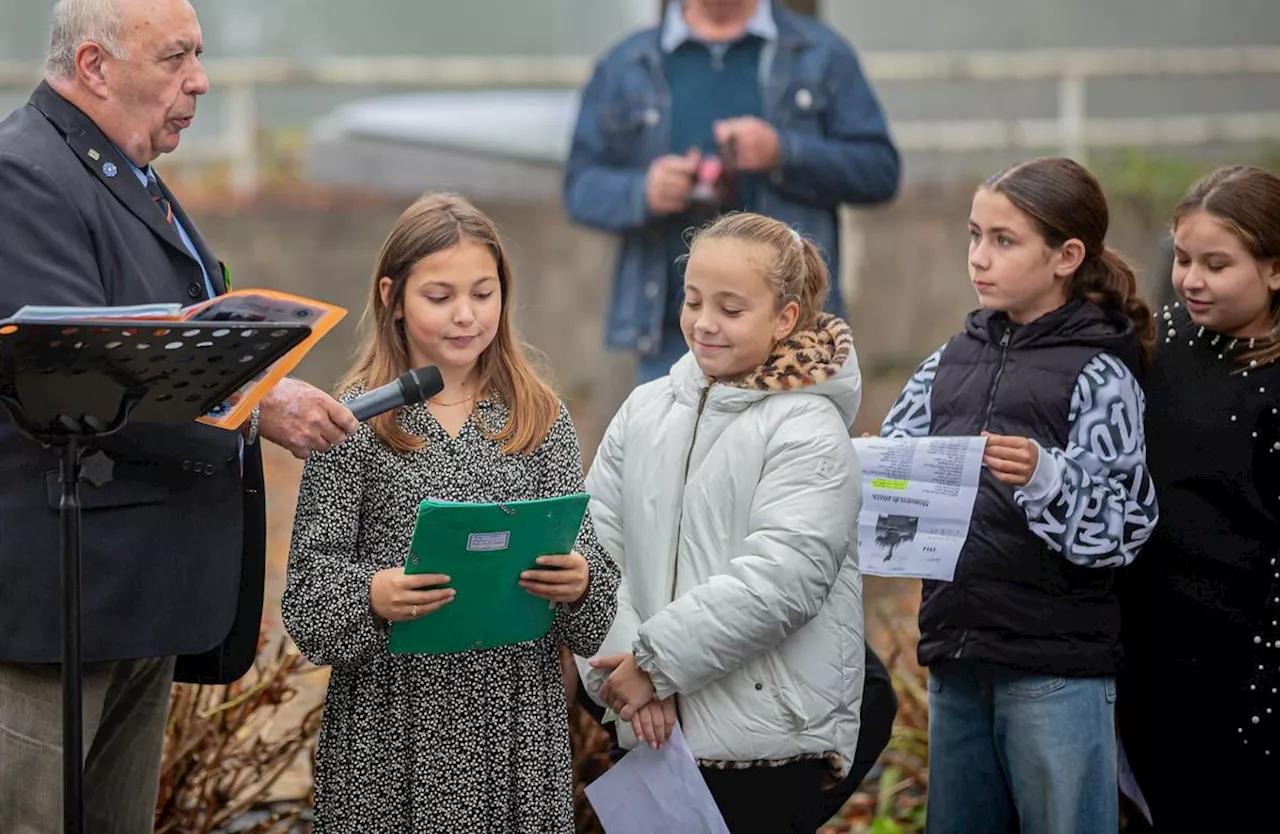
(733,515)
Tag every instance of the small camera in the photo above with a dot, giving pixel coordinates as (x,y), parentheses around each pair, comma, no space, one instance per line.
(714,184)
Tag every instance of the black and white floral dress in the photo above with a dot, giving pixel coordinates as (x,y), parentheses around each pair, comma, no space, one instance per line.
(434,744)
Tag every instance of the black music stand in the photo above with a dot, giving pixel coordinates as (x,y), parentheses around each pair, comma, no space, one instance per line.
(67,384)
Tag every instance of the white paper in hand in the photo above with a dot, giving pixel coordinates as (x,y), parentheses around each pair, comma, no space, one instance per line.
(917,503)
(656,792)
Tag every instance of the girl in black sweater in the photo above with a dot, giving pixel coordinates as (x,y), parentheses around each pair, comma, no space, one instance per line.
(1200,607)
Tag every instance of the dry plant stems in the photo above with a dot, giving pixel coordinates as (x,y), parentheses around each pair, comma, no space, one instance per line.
(590,760)
(900,792)
(892,802)
(226,747)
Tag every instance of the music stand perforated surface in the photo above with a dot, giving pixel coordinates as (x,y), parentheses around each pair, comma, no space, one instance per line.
(66,384)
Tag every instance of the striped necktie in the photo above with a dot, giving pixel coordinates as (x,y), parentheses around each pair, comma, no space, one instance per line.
(153,188)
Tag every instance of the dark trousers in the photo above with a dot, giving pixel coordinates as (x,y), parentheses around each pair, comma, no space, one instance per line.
(126,704)
(879,708)
(787,799)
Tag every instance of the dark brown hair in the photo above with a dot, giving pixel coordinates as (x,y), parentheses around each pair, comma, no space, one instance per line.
(797,272)
(1066,202)
(435,223)
(1246,200)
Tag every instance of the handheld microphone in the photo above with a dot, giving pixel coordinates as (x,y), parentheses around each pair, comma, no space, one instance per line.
(411,387)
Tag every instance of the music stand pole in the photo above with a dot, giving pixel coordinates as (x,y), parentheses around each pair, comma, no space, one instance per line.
(72,704)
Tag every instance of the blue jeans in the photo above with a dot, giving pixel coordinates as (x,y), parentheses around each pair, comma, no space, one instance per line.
(1012,751)
(651,367)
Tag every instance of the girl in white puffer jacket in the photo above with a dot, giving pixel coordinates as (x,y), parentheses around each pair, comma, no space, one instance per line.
(728,493)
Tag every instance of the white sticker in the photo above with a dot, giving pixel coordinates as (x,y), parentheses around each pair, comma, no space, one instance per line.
(488,541)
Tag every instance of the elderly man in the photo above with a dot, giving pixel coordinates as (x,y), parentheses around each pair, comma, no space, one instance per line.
(174,540)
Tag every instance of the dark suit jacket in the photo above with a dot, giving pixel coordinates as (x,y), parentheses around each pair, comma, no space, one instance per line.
(173,546)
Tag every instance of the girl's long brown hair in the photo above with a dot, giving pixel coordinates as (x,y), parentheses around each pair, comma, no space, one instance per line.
(1245,199)
(1066,201)
(435,223)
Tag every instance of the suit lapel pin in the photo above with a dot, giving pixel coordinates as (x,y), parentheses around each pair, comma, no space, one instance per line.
(94,155)
(110,169)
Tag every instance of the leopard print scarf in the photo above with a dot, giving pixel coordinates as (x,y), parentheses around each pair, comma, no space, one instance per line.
(805,358)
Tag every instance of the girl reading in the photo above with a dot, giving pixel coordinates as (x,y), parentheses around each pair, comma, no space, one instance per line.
(475,741)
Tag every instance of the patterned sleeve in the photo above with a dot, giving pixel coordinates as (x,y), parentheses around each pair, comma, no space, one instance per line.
(1095,502)
(910,415)
(325,606)
(581,627)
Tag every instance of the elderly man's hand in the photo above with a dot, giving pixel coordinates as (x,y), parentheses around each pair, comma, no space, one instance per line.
(304,419)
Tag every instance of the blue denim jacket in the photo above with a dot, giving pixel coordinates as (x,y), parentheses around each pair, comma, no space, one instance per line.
(835,149)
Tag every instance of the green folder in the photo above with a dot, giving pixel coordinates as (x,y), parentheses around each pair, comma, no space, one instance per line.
(483,549)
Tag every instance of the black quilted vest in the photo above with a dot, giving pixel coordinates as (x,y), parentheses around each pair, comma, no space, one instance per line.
(1013,601)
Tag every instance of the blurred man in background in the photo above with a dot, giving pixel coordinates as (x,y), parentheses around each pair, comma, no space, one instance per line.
(728,104)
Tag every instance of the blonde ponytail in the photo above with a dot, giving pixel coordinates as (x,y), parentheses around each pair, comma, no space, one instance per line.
(815,284)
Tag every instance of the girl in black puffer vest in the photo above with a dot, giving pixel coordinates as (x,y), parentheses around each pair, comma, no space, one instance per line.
(1024,644)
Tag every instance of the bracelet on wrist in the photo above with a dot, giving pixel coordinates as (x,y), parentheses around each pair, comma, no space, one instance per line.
(252,437)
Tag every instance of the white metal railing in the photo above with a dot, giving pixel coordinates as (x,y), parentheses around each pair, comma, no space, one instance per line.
(1072,131)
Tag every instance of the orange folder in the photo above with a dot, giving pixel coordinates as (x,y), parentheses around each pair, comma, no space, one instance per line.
(266,306)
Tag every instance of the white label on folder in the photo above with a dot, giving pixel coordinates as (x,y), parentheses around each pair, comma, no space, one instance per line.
(488,541)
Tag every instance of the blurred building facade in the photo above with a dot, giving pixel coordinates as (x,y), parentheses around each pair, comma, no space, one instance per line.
(307,30)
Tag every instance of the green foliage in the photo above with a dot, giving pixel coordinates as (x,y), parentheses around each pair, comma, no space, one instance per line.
(884,825)
(1149,182)
(1152,181)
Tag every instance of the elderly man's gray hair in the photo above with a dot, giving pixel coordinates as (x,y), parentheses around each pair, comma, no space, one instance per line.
(77,21)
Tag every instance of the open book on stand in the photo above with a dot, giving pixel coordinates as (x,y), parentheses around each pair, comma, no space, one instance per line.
(269,307)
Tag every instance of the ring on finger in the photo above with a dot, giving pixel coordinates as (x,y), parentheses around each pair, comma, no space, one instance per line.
(413,612)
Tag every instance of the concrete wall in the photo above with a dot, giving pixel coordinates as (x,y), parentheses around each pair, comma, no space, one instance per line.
(1033,24)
